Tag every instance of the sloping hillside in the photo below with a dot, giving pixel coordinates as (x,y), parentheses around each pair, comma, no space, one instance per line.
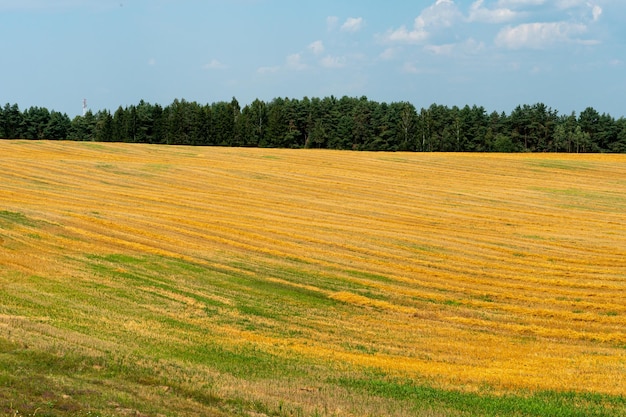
(194,281)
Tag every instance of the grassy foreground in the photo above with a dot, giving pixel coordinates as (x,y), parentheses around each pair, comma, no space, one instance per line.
(140,280)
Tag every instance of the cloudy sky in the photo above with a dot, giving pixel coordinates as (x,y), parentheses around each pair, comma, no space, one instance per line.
(568,54)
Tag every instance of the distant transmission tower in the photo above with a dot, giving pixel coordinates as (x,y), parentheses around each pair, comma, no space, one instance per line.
(84,106)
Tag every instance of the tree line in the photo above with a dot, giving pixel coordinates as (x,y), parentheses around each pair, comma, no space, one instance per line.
(331,123)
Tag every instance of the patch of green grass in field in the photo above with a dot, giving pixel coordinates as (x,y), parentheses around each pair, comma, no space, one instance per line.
(397,159)
(603,197)
(144,291)
(356,347)
(587,200)
(426,248)
(565,165)
(157,167)
(552,404)
(65,383)
(156,282)
(114,169)
(301,273)
(337,280)
(533,237)
(95,146)
(369,276)
(9,218)
(251,294)
(246,361)
(259,288)
(117,258)
(144,270)
(254,280)
(120,273)
(40,383)
(251,310)
(486,298)
(152,272)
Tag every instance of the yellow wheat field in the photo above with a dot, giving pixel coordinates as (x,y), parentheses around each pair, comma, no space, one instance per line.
(464,270)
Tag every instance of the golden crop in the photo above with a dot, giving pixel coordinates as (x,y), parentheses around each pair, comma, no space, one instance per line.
(463,269)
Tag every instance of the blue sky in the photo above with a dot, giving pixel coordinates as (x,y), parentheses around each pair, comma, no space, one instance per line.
(568,54)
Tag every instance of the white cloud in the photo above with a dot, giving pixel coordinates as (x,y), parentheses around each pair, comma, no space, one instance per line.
(402,35)
(472,46)
(468,47)
(352,24)
(317,47)
(539,35)
(596,12)
(333,62)
(389,53)
(294,61)
(519,3)
(442,14)
(478,13)
(152,62)
(214,65)
(410,68)
(446,49)
(332,22)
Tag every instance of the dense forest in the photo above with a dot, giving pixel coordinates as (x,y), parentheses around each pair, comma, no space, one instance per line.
(332,123)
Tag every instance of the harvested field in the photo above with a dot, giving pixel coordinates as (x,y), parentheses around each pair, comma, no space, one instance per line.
(264,280)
